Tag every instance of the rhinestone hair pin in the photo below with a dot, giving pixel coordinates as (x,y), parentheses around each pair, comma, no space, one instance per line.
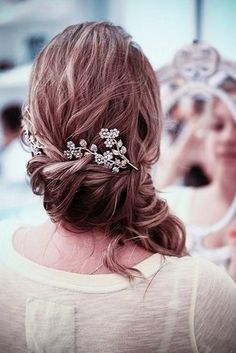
(113,158)
(34,145)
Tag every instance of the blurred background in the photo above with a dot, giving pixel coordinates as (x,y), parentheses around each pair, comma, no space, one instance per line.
(161,27)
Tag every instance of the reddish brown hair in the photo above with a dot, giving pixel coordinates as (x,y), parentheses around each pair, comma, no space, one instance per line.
(92,76)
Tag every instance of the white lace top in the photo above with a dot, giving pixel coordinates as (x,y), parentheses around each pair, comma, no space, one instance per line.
(184,305)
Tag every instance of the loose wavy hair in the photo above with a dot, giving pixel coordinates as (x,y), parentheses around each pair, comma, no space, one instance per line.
(91,76)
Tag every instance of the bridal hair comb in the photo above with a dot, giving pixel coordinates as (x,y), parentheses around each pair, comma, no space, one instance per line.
(31,141)
(113,158)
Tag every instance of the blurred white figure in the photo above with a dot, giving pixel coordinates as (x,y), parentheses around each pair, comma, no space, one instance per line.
(13,158)
(17,200)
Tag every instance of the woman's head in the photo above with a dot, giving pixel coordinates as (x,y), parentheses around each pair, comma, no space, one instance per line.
(93,76)
(221,136)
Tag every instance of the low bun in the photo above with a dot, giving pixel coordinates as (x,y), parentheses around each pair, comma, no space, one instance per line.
(83,196)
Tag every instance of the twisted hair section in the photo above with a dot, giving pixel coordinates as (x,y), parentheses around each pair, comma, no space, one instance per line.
(88,77)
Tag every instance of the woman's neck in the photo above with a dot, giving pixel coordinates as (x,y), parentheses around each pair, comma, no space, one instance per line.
(53,246)
(224,186)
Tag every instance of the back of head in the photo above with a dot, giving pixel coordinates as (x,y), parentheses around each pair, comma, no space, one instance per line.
(93,76)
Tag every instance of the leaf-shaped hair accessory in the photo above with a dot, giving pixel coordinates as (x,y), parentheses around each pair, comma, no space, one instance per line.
(113,158)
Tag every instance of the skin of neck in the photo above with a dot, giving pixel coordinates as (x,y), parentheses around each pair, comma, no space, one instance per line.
(224,184)
(62,249)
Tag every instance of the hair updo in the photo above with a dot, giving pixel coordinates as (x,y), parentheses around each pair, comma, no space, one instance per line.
(91,76)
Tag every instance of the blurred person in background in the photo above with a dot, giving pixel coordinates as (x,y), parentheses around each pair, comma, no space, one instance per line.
(17,200)
(182,159)
(13,158)
(6,65)
(210,212)
(110,247)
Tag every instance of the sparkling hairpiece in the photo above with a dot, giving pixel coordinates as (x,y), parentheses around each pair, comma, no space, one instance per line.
(113,158)
(34,145)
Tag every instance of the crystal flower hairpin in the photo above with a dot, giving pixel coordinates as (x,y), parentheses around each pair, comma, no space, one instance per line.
(113,158)
(34,145)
